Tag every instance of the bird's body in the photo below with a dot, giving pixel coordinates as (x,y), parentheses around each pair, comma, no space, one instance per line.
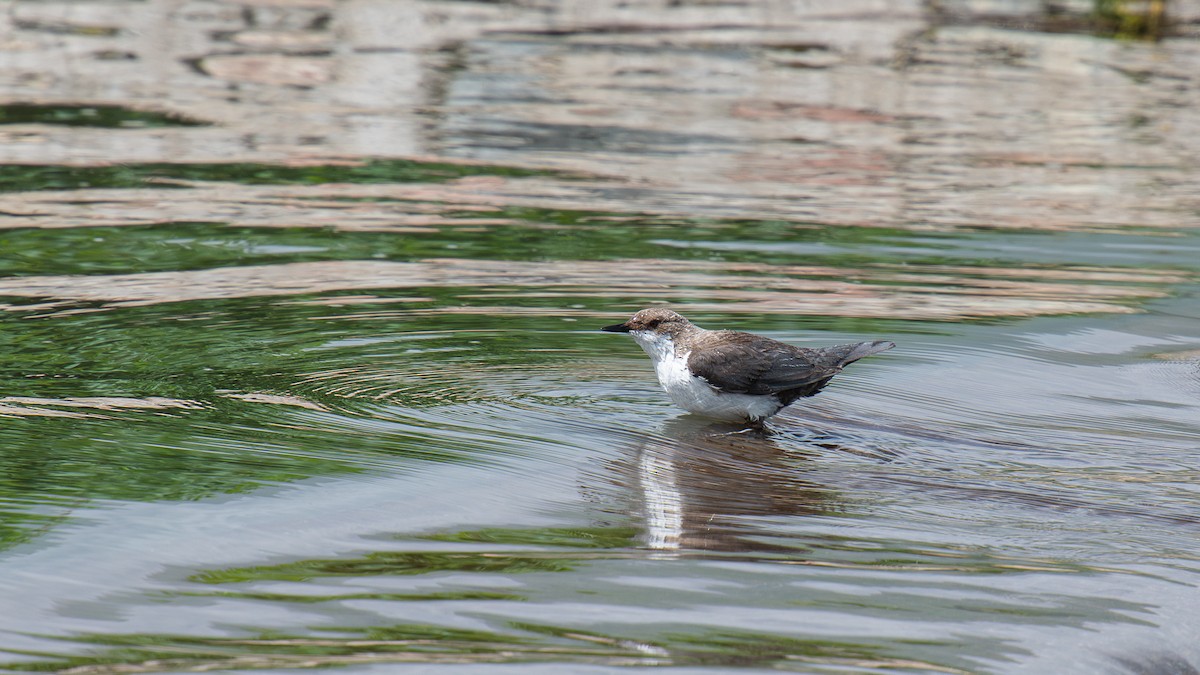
(730,375)
(693,392)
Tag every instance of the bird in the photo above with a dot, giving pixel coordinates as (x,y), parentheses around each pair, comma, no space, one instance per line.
(730,375)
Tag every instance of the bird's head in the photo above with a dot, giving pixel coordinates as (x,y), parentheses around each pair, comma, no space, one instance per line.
(654,320)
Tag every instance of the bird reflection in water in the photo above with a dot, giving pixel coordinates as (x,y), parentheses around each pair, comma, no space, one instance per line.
(700,485)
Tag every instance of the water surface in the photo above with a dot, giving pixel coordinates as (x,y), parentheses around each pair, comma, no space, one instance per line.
(316,381)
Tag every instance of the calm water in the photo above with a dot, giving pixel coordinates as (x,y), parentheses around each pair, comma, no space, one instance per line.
(301,367)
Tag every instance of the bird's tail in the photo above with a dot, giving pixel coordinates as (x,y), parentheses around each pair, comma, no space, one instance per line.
(862,350)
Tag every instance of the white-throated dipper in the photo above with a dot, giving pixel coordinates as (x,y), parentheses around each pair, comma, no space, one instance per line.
(730,375)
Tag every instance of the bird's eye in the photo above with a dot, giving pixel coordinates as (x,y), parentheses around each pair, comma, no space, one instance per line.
(654,323)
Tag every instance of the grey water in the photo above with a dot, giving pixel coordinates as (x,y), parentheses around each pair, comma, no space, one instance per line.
(300,363)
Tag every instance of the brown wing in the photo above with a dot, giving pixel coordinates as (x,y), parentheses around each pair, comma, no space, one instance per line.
(748,364)
(742,363)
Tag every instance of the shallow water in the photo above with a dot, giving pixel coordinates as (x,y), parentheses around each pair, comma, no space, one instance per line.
(301,366)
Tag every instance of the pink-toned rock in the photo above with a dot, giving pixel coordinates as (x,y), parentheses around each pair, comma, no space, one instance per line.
(303,71)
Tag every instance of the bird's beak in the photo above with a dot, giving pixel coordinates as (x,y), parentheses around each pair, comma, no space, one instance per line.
(617,328)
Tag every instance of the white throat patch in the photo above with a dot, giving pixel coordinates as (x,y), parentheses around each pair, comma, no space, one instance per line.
(657,345)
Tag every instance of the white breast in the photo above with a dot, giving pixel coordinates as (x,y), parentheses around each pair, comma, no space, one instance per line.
(695,394)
